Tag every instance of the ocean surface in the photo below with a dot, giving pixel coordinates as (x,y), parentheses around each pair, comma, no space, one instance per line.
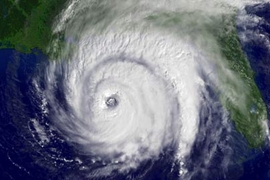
(31,149)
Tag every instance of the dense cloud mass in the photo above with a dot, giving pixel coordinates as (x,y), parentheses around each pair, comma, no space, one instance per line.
(130,91)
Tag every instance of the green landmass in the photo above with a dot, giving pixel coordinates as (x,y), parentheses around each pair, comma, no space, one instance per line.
(245,105)
(248,120)
(26,25)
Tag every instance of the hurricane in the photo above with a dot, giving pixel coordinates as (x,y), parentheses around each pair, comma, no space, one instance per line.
(128,86)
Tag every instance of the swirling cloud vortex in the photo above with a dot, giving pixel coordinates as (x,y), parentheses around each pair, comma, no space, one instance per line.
(129,93)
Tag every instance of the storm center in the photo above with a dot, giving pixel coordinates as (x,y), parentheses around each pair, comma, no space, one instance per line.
(111,102)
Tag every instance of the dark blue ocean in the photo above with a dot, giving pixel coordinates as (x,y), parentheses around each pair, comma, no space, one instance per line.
(23,155)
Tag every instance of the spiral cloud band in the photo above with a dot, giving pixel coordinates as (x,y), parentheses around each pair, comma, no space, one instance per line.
(122,102)
(124,91)
(128,105)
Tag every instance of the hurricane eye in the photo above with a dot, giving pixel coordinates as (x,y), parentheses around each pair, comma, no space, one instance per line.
(111,102)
